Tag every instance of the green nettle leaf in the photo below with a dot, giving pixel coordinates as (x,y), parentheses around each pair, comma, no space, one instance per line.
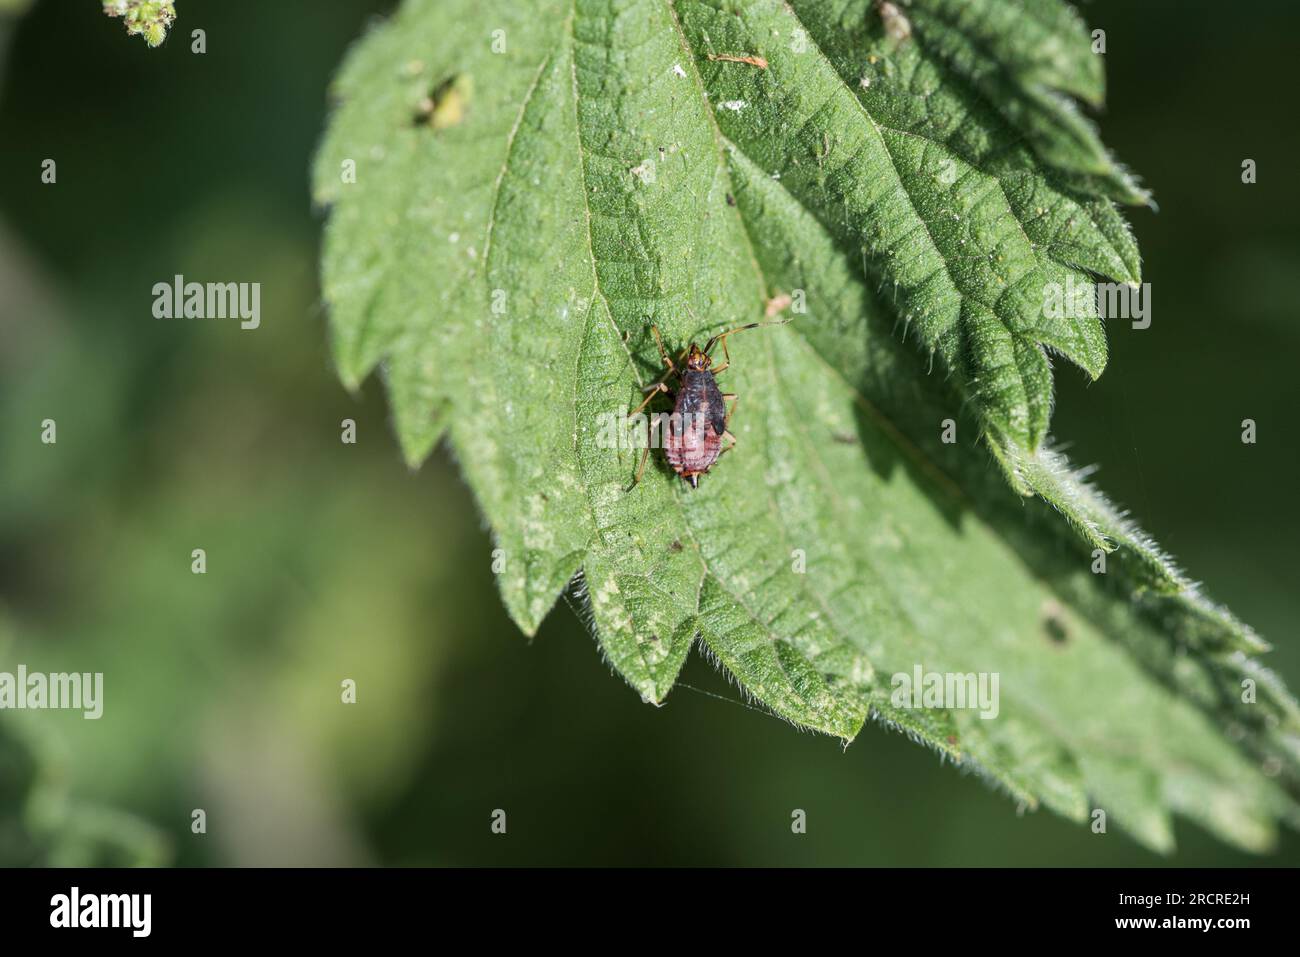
(42,824)
(518,191)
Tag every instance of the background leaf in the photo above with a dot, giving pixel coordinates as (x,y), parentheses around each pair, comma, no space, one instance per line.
(42,823)
(617,165)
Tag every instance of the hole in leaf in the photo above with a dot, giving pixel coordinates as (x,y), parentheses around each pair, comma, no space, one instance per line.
(446,104)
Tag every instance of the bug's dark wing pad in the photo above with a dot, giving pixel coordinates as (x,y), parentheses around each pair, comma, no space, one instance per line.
(716,405)
(700,396)
(691,397)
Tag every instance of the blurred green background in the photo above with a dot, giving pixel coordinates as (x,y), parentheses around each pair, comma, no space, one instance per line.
(328,561)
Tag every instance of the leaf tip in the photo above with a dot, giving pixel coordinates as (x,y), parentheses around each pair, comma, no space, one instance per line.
(414,453)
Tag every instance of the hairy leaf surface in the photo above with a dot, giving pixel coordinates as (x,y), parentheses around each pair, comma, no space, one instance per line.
(537,184)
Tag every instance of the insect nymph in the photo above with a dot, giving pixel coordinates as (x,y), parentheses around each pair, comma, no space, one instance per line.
(698,424)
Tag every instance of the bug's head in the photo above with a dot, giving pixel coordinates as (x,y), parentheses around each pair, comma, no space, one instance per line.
(697,360)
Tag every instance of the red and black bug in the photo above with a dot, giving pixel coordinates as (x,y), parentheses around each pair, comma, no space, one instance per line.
(699,420)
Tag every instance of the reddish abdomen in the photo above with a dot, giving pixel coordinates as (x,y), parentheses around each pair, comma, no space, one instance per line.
(693,438)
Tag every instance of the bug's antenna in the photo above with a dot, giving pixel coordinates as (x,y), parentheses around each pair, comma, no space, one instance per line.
(731,332)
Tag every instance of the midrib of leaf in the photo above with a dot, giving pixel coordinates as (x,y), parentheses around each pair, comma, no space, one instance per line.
(764,289)
(651,680)
(653,686)
(658,685)
(834,726)
(845,720)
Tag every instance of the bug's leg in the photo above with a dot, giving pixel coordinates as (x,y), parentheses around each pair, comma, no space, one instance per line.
(636,480)
(734,400)
(649,434)
(654,390)
(726,358)
(663,353)
(726,433)
(674,368)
